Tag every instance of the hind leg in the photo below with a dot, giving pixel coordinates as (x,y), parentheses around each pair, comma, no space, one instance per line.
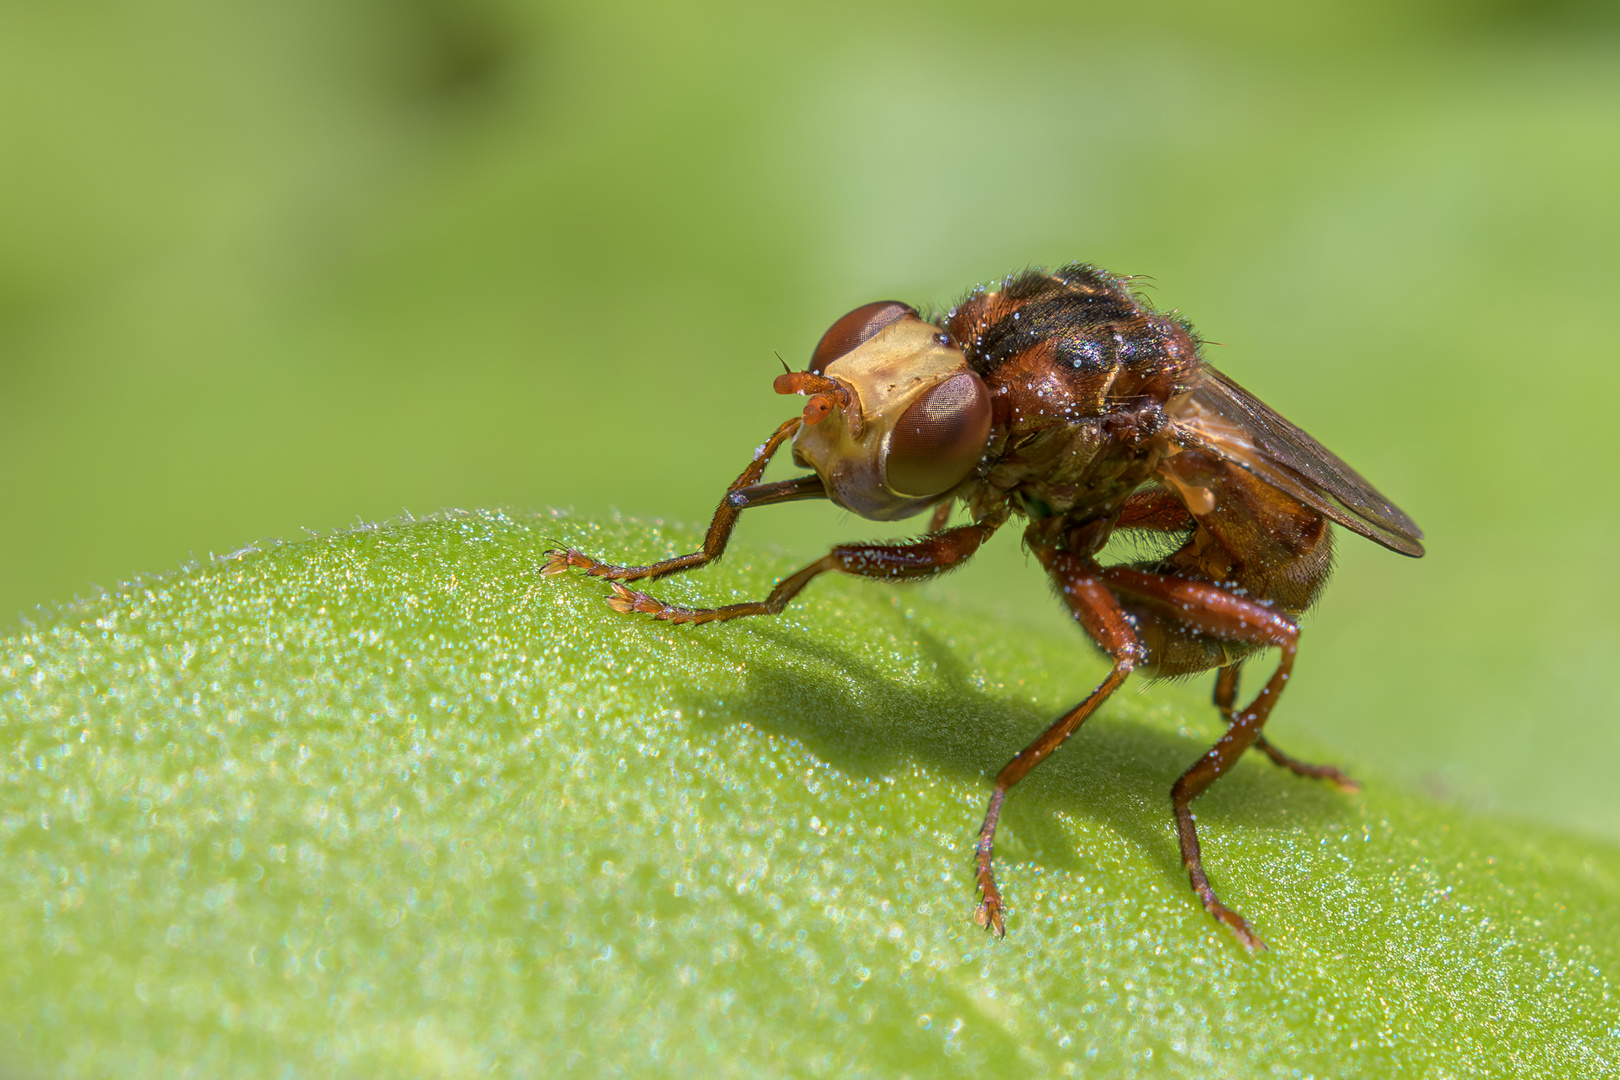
(1199,609)
(1226,688)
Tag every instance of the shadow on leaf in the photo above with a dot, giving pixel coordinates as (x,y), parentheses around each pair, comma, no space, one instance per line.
(866,722)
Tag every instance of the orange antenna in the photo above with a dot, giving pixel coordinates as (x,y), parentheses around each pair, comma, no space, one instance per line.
(825,395)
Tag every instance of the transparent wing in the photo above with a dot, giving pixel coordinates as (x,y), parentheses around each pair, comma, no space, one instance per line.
(1220,416)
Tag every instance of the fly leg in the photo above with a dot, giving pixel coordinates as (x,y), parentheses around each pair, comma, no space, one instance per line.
(1208,609)
(1096,609)
(1226,688)
(920,558)
(744,492)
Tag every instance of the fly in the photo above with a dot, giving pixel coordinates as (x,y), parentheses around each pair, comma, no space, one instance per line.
(1067,400)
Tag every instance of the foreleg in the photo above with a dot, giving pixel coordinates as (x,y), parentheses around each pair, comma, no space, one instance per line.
(738,497)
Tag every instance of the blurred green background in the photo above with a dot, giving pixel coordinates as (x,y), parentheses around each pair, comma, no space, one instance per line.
(271,266)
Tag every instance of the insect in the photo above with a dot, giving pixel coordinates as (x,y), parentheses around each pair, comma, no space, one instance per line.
(1067,400)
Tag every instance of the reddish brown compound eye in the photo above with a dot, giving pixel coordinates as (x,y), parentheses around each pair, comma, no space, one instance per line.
(858,326)
(940,437)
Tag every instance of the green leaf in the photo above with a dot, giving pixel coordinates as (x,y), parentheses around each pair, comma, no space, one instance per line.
(392,803)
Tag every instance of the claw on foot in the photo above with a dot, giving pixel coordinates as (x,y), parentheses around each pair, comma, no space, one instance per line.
(568,558)
(989,917)
(1236,923)
(1340,779)
(989,913)
(630,601)
(1335,776)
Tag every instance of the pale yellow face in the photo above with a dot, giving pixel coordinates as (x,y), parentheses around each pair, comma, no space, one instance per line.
(922,420)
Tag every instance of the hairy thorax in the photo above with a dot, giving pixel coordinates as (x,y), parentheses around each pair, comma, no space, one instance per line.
(1079,373)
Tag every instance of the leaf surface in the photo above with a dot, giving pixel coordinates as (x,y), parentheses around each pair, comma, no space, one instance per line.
(393,803)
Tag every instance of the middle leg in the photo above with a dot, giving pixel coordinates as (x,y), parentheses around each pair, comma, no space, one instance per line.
(921,558)
(1097,610)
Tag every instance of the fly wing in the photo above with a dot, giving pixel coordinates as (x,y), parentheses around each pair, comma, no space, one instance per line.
(1220,416)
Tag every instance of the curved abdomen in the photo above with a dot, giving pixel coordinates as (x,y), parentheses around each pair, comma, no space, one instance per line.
(1247,537)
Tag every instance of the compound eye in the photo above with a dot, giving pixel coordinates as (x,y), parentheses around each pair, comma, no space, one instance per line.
(940,437)
(858,326)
